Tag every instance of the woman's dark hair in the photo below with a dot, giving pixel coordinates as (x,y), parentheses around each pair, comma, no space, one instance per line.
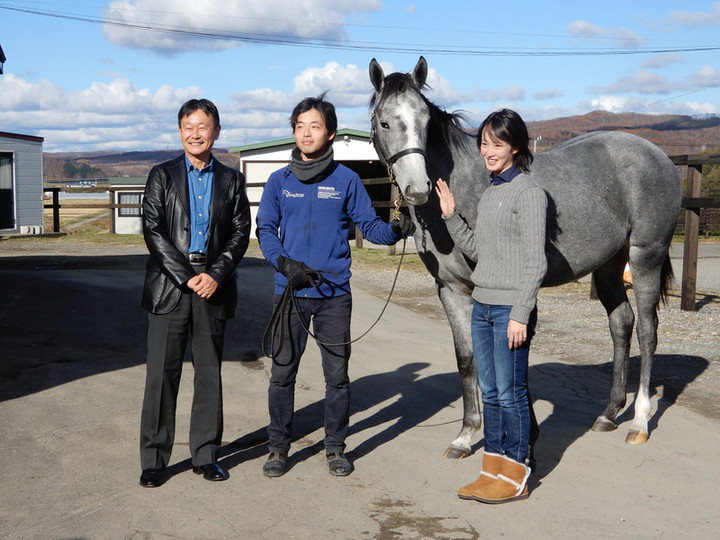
(205,105)
(325,108)
(507,125)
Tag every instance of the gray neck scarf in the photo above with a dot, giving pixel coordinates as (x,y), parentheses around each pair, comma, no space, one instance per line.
(313,169)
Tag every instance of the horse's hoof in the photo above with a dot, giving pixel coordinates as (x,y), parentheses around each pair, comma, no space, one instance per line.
(636,437)
(455,452)
(604,424)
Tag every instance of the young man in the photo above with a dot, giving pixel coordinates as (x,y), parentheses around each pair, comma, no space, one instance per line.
(302,225)
(196,223)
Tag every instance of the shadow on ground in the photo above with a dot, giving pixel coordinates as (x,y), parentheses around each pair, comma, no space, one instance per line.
(85,311)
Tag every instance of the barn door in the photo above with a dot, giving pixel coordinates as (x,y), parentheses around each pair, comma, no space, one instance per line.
(7,199)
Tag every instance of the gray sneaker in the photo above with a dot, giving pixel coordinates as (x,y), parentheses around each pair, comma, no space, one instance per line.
(338,464)
(275,465)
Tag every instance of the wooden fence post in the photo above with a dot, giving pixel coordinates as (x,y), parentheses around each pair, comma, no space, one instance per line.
(690,246)
(111,210)
(56,209)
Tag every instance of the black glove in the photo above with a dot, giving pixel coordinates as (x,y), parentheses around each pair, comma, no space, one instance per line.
(296,272)
(403,226)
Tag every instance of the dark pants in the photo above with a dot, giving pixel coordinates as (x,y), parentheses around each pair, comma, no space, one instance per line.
(167,341)
(331,324)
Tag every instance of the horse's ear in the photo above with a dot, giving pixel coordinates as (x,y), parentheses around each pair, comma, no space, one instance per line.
(377,77)
(420,72)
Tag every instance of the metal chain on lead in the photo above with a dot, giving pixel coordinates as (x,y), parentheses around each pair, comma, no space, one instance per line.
(399,198)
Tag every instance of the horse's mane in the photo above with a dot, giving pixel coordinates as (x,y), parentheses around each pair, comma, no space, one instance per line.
(449,125)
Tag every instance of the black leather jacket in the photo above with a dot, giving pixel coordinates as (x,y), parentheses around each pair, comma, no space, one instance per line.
(166,228)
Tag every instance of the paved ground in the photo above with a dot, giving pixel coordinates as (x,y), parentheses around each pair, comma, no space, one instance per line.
(71,378)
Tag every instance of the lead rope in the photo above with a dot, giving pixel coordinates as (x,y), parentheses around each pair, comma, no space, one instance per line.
(277,321)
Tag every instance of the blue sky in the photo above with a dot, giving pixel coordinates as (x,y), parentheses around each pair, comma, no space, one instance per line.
(91,75)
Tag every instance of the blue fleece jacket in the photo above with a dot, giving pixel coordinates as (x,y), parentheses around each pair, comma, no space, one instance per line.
(309,222)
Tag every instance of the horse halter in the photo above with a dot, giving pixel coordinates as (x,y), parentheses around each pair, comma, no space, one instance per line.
(390,161)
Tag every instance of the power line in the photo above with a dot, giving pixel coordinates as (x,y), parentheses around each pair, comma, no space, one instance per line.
(270,39)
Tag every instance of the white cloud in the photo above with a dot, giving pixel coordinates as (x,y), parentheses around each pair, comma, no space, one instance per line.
(705,77)
(663,60)
(115,115)
(442,92)
(625,37)
(610,103)
(19,94)
(514,93)
(263,99)
(548,93)
(622,37)
(496,95)
(585,29)
(169,27)
(347,86)
(696,108)
(119,95)
(168,98)
(697,19)
(643,82)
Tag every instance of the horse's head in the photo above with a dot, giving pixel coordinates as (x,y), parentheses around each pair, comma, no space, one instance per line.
(400,126)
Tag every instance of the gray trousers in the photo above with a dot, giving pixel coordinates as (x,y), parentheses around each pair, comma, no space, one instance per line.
(167,340)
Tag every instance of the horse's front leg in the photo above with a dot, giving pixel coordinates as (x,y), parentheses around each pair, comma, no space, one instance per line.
(458,307)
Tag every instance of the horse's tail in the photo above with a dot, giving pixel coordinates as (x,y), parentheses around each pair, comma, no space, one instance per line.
(666,279)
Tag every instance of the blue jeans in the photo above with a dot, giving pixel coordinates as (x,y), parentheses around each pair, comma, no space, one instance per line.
(502,374)
(331,324)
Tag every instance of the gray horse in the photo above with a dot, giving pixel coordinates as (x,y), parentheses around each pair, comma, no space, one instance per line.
(612,197)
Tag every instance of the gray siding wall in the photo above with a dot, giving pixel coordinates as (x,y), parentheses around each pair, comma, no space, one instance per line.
(28,178)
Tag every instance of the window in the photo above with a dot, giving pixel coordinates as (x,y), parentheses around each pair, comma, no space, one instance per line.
(7,212)
(129,197)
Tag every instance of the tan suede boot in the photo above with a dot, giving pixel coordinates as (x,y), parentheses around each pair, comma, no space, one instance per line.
(491,467)
(511,484)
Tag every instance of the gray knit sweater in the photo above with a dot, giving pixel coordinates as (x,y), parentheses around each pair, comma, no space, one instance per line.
(508,244)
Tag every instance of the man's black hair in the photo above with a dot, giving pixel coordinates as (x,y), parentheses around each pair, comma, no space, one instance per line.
(325,108)
(205,105)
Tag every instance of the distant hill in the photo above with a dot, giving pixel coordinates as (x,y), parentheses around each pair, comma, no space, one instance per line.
(109,164)
(675,134)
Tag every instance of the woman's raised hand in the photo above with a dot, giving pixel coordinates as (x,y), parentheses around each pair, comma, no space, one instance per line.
(447,201)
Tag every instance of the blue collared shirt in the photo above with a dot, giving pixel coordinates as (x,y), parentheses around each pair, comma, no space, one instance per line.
(200,189)
(506,176)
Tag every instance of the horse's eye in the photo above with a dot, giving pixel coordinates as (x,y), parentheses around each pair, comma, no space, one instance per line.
(384,125)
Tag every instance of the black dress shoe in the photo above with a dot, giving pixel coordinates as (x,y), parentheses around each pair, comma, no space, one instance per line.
(338,464)
(275,465)
(151,478)
(212,472)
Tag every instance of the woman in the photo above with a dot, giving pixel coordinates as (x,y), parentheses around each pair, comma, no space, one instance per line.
(509,249)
